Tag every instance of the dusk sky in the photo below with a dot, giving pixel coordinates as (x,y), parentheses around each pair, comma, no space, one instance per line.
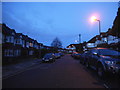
(43,21)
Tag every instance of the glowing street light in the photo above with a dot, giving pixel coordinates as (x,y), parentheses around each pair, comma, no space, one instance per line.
(93,18)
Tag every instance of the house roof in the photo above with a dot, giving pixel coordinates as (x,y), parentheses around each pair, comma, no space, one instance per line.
(104,34)
(74,45)
(18,35)
(6,30)
(97,37)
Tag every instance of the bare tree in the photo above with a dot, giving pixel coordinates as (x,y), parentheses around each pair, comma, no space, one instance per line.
(56,43)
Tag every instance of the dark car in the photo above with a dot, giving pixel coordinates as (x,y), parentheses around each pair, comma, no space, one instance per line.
(104,60)
(83,57)
(48,58)
(57,55)
(76,55)
(61,54)
(73,54)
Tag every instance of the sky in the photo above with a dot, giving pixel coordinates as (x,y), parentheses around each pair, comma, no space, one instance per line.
(44,21)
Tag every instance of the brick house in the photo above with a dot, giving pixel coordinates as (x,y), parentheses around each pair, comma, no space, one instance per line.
(8,37)
(17,45)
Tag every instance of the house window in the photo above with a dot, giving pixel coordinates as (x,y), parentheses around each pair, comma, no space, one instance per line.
(17,41)
(7,38)
(105,39)
(31,44)
(23,43)
(12,39)
(30,52)
(8,52)
(11,52)
(27,44)
(17,52)
(13,33)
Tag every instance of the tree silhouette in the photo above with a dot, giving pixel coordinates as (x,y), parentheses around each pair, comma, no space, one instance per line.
(56,43)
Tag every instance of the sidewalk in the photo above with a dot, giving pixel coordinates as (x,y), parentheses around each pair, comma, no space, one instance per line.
(10,70)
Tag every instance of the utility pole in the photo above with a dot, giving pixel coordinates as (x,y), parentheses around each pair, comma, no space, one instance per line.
(79,38)
(119,4)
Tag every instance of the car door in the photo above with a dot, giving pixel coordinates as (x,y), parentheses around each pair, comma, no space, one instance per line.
(89,57)
(94,57)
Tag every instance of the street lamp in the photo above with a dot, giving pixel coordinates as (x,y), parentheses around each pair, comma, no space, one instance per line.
(93,18)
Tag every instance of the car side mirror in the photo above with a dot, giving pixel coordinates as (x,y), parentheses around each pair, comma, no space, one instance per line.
(96,54)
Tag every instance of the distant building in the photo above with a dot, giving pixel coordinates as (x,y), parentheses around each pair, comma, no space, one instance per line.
(75,48)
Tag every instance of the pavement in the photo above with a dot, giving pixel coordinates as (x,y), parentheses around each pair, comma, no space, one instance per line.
(10,70)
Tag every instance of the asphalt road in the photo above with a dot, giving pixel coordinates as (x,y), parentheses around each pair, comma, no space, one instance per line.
(63,73)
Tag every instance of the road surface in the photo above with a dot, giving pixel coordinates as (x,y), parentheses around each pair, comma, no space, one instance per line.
(65,72)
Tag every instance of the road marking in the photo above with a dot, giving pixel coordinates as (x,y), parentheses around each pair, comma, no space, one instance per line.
(106,86)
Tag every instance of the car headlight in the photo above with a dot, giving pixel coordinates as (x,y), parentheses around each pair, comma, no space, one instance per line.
(110,62)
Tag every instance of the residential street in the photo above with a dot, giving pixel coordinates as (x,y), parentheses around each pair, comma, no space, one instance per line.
(63,73)
(60,44)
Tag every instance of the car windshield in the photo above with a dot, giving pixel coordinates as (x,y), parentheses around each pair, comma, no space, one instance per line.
(56,53)
(108,52)
(47,56)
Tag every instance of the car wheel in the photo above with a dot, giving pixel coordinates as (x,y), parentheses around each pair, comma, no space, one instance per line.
(100,71)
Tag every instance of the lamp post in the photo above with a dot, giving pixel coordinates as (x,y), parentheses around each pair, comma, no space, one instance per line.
(93,18)
(79,38)
(99,25)
(78,41)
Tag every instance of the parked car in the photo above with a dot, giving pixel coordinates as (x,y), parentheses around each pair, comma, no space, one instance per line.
(57,55)
(61,54)
(104,60)
(76,55)
(48,58)
(73,54)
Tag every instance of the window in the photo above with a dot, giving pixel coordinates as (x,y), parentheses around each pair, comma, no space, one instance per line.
(8,52)
(12,39)
(7,38)
(27,44)
(17,41)
(23,43)
(17,52)
(31,44)
(30,52)
(13,33)
(108,52)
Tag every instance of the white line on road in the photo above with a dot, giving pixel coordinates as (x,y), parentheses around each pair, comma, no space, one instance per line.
(106,86)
